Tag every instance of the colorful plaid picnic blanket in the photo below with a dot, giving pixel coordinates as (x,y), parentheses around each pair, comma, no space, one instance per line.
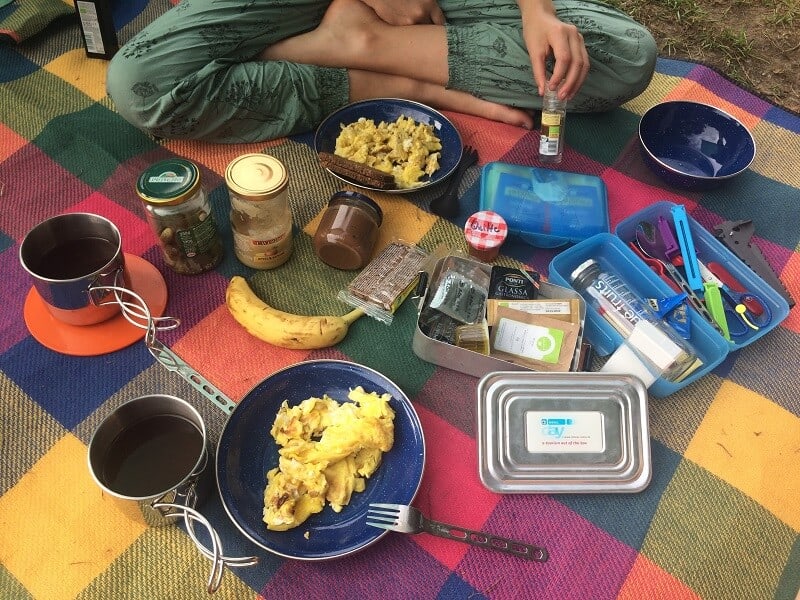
(720,519)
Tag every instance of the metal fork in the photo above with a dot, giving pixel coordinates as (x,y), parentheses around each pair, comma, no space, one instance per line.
(446,205)
(407,519)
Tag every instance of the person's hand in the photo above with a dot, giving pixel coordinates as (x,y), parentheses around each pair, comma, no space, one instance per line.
(546,35)
(407,12)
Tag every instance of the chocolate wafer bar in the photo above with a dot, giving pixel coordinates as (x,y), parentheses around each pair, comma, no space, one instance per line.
(358,172)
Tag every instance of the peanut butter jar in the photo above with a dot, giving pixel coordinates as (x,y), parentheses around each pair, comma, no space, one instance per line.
(347,233)
(261,218)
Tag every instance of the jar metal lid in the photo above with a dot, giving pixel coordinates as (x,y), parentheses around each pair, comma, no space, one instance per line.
(582,274)
(169,181)
(358,198)
(485,230)
(256,176)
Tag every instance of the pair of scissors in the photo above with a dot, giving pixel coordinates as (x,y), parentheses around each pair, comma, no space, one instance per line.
(741,320)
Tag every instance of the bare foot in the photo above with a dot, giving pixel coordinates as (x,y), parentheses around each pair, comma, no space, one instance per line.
(366,85)
(381,62)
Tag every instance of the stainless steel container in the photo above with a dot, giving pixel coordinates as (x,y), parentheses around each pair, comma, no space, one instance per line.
(73,259)
(474,363)
(149,451)
(563,433)
(151,456)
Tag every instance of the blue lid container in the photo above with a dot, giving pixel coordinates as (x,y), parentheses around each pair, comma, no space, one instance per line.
(543,207)
(711,250)
(611,252)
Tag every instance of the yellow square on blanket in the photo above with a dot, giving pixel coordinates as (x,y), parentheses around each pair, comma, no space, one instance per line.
(58,530)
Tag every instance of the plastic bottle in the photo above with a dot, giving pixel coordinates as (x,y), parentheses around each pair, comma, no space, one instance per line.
(611,297)
(551,139)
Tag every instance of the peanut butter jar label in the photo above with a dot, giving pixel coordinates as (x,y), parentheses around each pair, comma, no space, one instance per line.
(263,253)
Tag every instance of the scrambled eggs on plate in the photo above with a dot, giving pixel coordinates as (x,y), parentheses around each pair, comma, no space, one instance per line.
(327,451)
(404,148)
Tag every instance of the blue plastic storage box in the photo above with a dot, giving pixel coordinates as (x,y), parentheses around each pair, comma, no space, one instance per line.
(543,207)
(612,251)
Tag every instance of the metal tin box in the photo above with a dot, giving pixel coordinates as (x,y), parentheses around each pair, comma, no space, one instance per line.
(470,362)
(563,433)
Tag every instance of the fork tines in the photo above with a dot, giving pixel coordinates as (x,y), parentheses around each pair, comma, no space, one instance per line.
(383,515)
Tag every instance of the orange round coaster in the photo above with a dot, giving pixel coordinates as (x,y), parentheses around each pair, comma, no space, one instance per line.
(111,335)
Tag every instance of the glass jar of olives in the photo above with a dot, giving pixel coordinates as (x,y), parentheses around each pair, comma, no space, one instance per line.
(179,212)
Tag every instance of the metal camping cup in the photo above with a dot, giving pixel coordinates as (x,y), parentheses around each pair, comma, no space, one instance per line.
(76,260)
(151,454)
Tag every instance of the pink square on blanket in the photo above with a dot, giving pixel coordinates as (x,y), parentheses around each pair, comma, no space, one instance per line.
(451,490)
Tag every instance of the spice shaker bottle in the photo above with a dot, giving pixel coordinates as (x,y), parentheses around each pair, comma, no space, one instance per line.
(179,212)
(551,139)
(348,230)
(261,218)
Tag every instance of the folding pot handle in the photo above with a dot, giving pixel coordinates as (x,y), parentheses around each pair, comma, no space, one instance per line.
(218,560)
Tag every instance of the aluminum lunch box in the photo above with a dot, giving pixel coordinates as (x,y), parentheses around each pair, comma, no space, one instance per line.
(563,433)
(469,362)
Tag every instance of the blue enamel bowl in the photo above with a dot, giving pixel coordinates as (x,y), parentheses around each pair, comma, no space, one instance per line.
(388,110)
(694,146)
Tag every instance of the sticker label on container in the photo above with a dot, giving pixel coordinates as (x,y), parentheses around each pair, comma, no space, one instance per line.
(198,239)
(529,341)
(564,431)
(541,307)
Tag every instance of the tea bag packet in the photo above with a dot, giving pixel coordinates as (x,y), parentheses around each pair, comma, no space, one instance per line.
(536,341)
(566,309)
(473,337)
(455,297)
(438,326)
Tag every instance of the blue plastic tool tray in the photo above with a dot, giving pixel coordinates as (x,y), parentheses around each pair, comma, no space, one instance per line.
(544,207)
(709,249)
(611,250)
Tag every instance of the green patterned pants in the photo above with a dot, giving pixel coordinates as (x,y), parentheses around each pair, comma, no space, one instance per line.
(189,74)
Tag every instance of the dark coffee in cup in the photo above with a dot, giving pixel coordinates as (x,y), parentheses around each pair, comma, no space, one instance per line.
(75,260)
(152,449)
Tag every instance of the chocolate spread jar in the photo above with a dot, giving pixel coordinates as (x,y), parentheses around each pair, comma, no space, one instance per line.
(348,230)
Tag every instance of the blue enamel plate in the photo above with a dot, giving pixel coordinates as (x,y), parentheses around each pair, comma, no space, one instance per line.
(388,110)
(246,451)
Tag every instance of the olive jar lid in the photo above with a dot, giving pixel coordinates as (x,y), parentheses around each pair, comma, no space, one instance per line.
(169,181)
(256,176)
(563,432)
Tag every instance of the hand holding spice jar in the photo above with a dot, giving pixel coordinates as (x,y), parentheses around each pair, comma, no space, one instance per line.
(260,214)
(179,212)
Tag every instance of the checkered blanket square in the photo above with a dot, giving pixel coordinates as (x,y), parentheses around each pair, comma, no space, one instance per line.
(720,519)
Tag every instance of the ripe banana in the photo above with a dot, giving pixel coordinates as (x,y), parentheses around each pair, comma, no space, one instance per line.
(298,332)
